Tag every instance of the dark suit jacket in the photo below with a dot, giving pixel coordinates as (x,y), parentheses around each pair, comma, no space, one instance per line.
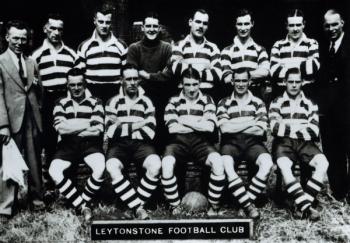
(334,96)
(14,95)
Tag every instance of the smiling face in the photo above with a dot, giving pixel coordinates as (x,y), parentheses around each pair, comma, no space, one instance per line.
(17,39)
(191,88)
(76,87)
(333,26)
(199,25)
(54,31)
(295,27)
(151,28)
(103,24)
(293,84)
(244,25)
(130,82)
(241,83)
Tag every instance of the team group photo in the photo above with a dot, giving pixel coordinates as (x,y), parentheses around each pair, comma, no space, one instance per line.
(130,110)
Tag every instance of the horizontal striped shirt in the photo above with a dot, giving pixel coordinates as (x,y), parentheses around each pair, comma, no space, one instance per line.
(90,109)
(102,61)
(54,64)
(285,115)
(178,107)
(229,110)
(304,56)
(139,110)
(238,57)
(204,57)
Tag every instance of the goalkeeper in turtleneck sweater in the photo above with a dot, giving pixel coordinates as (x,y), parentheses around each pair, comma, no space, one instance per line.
(151,56)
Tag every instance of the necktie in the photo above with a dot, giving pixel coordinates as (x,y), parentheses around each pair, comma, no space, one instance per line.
(332,49)
(21,71)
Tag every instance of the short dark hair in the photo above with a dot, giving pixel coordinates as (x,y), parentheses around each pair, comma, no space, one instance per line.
(243,12)
(75,72)
(18,24)
(190,72)
(200,10)
(55,16)
(128,66)
(293,71)
(295,13)
(152,15)
(244,70)
(104,9)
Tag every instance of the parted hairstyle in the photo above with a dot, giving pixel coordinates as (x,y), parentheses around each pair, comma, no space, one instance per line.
(18,24)
(190,73)
(75,72)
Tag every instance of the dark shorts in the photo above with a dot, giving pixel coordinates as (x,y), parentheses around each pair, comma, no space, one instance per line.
(243,147)
(75,149)
(294,149)
(190,146)
(129,150)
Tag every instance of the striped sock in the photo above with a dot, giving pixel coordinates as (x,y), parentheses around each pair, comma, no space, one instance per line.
(146,187)
(216,185)
(170,191)
(296,191)
(237,189)
(91,188)
(126,192)
(70,192)
(313,187)
(256,187)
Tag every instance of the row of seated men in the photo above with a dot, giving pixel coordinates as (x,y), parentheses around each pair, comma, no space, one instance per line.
(191,118)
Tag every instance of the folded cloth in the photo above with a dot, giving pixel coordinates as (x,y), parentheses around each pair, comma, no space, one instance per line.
(13,164)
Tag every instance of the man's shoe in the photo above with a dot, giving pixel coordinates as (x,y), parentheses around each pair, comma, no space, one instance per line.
(313,214)
(87,213)
(214,212)
(38,205)
(251,212)
(141,213)
(175,210)
(49,197)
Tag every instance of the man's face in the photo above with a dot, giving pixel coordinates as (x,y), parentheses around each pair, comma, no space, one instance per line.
(294,84)
(244,25)
(17,39)
(199,24)
(54,30)
(295,27)
(151,28)
(131,81)
(333,26)
(103,24)
(191,88)
(241,83)
(76,86)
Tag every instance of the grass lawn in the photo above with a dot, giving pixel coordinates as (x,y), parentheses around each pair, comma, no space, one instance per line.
(61,224)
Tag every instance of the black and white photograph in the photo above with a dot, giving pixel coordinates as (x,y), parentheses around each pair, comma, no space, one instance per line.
(171,121)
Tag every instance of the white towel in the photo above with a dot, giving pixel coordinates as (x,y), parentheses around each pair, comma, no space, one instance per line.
(13,164)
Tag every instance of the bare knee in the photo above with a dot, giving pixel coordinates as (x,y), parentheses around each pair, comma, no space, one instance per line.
(216,163)
(320,163)
(153,165)
(56,169)
(265,163)
(168,165)
(114,168)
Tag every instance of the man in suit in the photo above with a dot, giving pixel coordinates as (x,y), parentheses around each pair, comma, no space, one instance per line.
(19,115)
(335,56)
